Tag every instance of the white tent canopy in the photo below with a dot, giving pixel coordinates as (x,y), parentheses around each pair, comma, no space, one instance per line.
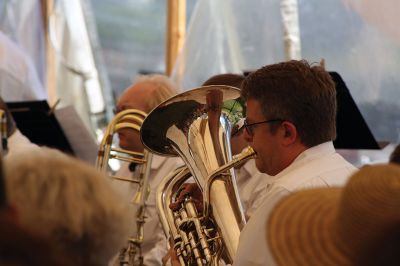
(357,39)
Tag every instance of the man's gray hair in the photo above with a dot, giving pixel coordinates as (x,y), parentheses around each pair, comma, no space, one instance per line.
(68,201)
(165,88)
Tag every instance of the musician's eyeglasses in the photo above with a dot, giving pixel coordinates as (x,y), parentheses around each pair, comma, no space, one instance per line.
(250,127)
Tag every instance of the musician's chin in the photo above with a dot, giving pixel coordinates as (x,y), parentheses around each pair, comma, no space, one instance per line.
(259,165)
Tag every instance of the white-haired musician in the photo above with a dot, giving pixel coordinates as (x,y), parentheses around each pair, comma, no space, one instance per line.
(146,93)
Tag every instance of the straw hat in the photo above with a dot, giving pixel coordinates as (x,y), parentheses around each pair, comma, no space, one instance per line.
(355,225)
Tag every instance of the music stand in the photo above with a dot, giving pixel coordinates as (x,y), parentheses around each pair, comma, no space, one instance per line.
(35,120)
(352,130)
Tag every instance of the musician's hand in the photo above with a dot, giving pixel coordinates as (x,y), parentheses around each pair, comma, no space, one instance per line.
(192,190)
(172,257)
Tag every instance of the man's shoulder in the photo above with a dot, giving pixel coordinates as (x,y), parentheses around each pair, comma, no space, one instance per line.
(329,170)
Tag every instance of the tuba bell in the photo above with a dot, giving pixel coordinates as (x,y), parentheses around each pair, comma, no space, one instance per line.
(132,119)
(196,125)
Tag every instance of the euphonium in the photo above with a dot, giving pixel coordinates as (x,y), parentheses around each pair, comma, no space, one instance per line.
(196,126)
(132,119)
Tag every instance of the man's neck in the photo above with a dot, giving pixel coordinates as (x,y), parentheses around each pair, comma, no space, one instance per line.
(291,154)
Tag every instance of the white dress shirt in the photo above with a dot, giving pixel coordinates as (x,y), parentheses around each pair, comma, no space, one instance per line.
(319,166)
(154,246)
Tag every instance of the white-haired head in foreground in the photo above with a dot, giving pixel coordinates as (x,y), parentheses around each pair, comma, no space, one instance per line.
(67,201)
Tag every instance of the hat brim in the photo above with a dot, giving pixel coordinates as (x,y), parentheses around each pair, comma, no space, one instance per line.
(301,229)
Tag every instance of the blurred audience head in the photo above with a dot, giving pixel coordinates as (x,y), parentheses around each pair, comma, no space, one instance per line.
(355,225)
(68,202)
(18,247)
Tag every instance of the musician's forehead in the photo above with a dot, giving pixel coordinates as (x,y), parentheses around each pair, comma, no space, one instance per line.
(137,96)
(253,111)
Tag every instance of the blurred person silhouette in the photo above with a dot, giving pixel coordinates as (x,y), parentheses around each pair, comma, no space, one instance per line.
(62,199)
(353,225)
(19,246)
(146,93)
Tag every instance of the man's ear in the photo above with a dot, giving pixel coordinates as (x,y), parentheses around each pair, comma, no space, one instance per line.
(289,132)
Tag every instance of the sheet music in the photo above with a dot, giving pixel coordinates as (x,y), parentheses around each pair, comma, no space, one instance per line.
(82,142)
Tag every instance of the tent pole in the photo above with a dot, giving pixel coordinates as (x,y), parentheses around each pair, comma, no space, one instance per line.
(51,78)
(175,32)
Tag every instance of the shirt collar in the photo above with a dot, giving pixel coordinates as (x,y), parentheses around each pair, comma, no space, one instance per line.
(307,156)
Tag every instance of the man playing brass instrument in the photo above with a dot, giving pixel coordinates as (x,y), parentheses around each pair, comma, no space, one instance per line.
(144,95)
(290,123)
(250,182)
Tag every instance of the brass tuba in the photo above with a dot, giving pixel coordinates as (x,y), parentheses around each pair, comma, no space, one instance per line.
(132,119)
(196,126)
